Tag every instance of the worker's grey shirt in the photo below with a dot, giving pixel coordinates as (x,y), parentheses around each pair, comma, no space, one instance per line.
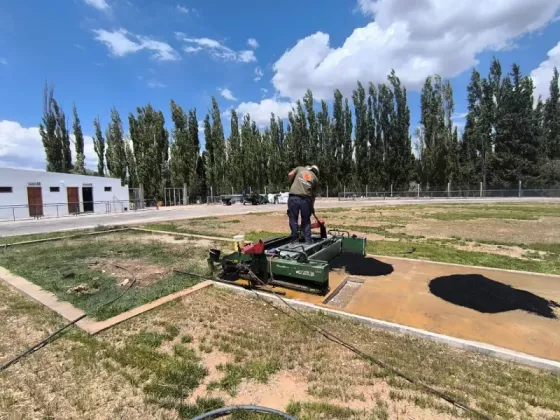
(305,182)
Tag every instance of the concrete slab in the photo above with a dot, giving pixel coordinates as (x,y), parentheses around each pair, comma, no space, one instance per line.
(512,310)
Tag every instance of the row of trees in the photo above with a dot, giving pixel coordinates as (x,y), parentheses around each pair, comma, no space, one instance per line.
(364,141)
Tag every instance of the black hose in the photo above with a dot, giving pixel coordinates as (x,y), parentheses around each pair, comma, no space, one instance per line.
(47,340)
(224,411)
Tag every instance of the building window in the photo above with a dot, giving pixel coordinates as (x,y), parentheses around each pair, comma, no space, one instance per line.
(108,189)
(5,189)
(54,189)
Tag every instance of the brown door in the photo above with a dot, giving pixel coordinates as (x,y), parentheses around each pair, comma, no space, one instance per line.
(73,200)
(35,201)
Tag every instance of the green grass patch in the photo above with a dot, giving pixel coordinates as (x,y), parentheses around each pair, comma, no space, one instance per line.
(63,265)
(258,370)
(502,212)
(433,251)
(319,410)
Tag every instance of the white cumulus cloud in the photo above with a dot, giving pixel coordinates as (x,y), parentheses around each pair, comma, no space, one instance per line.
(260,111)
(258,74)
(122,42)
(98,4)
(228,94)
(252,43)
(542,75)
(182,9)
(21,147)
(215,48)
(414,38)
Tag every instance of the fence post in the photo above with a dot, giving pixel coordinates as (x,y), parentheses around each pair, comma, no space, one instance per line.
(481,190)
(391,190)
(174,196)
(264,190)
(519,188)
(185,195)
(366,191)
(211,194)
(231,190)
(141,194)
(448,189)
(417,190)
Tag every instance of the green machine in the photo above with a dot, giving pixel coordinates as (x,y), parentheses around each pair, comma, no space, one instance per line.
(288,263)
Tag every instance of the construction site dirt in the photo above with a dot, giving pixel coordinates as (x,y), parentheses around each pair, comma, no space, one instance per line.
(399,292)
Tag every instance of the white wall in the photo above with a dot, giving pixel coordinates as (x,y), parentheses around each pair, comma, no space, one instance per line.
(56,202)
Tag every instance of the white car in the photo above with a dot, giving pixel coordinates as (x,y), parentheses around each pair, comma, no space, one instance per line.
(280,198)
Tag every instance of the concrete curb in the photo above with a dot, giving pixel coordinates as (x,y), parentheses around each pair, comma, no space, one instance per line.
(482,348)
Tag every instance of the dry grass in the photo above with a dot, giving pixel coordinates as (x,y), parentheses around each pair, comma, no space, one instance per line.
(521,236)
(215,347)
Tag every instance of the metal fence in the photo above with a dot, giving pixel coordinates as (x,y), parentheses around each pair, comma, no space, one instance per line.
(50,210)
(449,193)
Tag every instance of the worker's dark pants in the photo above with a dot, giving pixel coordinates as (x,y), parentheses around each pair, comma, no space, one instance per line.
(296,206)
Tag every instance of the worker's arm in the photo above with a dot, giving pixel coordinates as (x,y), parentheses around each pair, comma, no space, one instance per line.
(292,175)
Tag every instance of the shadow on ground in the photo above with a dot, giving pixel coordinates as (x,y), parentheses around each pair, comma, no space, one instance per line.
(358,265)
(488,296)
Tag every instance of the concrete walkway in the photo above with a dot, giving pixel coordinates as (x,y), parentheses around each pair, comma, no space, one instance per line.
(23,227)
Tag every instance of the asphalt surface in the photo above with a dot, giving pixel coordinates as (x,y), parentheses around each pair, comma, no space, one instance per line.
(24,227)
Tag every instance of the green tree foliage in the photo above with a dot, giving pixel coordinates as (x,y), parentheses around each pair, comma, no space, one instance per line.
(552,119)
(375,141)
(235,154)
(63,137)
(361,137)
(507,138)
(132,176)
(184,148)
(99,147)
(399,154)
(47,130)
(115,154)
(79,167)
(516,149)
(150,142)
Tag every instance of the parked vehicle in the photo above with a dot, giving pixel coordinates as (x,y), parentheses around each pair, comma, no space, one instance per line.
(279,198)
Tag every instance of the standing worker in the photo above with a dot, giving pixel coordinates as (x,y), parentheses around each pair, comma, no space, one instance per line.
(305,182)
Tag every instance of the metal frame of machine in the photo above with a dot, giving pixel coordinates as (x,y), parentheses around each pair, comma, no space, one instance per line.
(288,263)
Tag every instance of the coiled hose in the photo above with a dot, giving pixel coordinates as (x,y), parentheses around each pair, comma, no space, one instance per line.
(224,411)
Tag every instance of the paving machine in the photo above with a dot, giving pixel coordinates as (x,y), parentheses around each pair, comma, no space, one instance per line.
(288,262)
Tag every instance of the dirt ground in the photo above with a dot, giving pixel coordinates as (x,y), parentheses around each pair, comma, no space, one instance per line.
(507,230)
(251,353)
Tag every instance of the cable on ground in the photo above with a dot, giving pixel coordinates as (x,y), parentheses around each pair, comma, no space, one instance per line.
(52,336)
(224,411)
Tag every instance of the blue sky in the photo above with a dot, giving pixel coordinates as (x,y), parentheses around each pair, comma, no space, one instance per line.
(126,53)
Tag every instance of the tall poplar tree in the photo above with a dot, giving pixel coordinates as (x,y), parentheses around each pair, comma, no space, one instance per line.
(99,147)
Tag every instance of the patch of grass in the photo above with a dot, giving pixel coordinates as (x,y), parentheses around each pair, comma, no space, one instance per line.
(321,410)
(258,370)
(202,405)
(503,212)
(432,251)
(255,236)
(38,236)
(171,331)
(148,338)
(62,265)
(187,338)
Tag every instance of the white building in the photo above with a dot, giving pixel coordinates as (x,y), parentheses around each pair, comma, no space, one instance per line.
(25,193)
